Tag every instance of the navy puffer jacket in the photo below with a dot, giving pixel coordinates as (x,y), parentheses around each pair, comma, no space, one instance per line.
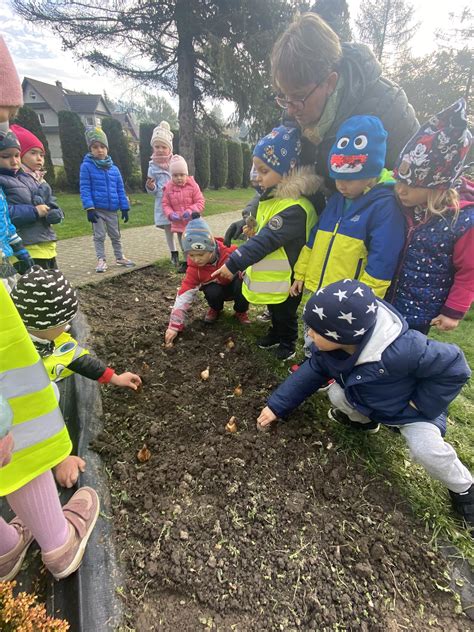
(102,188)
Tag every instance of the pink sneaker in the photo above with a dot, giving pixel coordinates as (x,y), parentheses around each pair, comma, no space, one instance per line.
(11,562)
(243,318)
(211,315)
(81,512)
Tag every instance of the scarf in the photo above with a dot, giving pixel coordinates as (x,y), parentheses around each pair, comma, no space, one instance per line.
(315,132)
(161,161)
(105,163)
(38,175)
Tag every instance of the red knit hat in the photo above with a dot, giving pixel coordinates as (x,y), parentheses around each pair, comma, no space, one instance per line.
(27,139)
(11,93)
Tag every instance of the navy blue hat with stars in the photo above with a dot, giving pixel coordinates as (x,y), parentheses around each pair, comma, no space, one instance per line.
(342,312)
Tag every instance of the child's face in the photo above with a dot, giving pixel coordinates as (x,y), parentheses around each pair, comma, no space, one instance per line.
(265,177)
(179,179)
(411,196)
(353,189)
(34,159)
(10,159)
(201,258)
(160,149)
(98,150)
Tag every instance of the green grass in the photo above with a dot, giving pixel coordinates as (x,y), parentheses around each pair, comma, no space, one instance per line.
(141,214)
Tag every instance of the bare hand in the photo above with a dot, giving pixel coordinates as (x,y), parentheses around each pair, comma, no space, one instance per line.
(444,323)
(170,335)
(127,380)
(266,417)
(6,449)
(150,183)
(223,272)
(42,210)
(296,288)
(66,473)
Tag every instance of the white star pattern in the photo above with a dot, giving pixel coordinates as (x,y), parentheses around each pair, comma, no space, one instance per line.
(319,311)
(340,294)
(359,291)
(359,332)
(332,334)
(349,317)
(371,308)
(321,291)
(347,281)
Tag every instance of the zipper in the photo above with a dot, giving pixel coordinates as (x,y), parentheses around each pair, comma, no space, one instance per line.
(358,269)
(333,237)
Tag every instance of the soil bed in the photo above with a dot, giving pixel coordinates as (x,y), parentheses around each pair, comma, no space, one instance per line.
(243,531)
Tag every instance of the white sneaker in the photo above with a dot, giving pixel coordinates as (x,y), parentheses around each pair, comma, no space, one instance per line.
(101,265)
(125,262)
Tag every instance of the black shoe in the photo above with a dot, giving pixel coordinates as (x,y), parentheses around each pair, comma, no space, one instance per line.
(463,504)
(183,266)
(337,415)
(284,353)
(175,258)
(267,342)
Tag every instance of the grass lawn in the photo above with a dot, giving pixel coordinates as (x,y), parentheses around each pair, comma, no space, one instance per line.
(141,213)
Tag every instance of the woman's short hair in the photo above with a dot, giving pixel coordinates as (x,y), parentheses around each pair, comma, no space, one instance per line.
(307,52)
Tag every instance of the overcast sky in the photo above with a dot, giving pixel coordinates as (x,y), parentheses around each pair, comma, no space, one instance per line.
(37,52)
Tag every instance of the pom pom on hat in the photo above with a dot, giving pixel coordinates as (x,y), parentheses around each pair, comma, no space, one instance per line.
(163,134)
(197,236)
(96,135)
(342,312)
(280,149)
(11,93)
(26,139)
(178,165)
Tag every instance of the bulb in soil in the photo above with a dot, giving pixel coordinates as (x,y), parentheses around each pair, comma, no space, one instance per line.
(230,344)
(238,391)
(144,454)
(231,425)
(205,374)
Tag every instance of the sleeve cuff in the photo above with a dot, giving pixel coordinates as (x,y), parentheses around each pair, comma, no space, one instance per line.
(231,266)
(452,313)
(106,376)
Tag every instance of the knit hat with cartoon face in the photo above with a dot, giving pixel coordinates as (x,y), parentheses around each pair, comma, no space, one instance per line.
(11,93)
(342,312)
(8,140)
(359,150)
(434,156)
(280,149)
(163,134)
(96,135)
(44,299)
(27,139)
(197,236)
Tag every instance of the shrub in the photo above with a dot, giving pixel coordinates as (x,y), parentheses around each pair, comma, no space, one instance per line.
(202,161)
(119,149)
(218,162)
(23,614)
(73,146)
(27,118)
(235,164)
(61,179)
(135,182)
(145,133)
(247,164)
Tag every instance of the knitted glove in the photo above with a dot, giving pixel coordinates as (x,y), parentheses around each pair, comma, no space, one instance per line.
(187,215)
(92,215)
(174,217)
(125,215)
(54,216)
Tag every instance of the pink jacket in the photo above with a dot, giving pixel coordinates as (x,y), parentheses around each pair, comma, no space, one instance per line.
(185,199)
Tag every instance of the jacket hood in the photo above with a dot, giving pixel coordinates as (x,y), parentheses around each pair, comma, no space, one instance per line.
(360,69)
(388,327)
(300,181)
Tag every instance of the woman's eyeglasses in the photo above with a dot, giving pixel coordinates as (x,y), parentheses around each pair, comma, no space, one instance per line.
(296,104)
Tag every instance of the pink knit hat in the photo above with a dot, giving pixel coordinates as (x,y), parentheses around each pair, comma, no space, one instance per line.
(10,88)
(27,139)
(178,165)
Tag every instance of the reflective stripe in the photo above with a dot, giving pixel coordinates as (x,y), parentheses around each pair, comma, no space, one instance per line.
(271,265)
(18,382)
(272,287)
(39,429)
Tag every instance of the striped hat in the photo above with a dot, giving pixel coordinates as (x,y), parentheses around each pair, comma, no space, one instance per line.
(197,236)
(44,299)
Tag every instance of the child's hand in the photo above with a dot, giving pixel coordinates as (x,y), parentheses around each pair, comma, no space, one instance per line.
(175,217)
(150,183)
(444,323)
(223,272)
(127,380)
(6,449)
(66,473)
(266,417)
(187,215)
(296,288)
(42,210)
(170,335)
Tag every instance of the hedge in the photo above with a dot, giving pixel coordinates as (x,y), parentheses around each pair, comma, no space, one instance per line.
(119,149)
(73,146)
(202,161)
(235,164)
(247,164)
(219,164)
(27,118)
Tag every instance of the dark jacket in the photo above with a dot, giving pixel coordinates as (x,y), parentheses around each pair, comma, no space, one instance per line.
(395,366)
(365,92)
(102,188)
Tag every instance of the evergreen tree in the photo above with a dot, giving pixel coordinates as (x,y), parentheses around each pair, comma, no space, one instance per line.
(27,118)
(202,161)
(235,164)
(218,162)
(247,164)
(336,14)
(73,145)
(145,134)
(119,149)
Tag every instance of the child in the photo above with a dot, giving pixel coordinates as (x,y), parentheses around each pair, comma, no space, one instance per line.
(47,303)
(181,197)
(205,255)
(102,195)
(37,441)
(434,283)
(158,176)
(284,220)
(360,232)
(385,373)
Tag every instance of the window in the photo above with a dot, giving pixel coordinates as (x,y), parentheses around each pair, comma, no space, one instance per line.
(90,120)
(33,96)
(41,118)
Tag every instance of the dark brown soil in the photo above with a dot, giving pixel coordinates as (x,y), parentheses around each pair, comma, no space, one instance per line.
(244,531)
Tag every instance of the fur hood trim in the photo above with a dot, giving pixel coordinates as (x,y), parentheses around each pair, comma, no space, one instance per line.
(300,181)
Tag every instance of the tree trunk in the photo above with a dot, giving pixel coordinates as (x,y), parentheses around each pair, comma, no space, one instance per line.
(186,60)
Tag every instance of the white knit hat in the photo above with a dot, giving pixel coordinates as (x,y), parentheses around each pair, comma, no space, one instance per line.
(163,134)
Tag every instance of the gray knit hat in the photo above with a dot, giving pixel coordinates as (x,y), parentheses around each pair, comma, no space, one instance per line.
(44,299)
(96,135)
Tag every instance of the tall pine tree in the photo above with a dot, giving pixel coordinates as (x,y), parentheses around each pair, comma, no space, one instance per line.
(73,145)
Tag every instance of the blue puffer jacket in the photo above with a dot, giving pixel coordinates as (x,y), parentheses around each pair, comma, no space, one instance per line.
(396,365)
(102,188)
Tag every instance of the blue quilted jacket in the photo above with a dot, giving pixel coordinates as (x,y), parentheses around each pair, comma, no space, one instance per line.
(8,235)
(102,188)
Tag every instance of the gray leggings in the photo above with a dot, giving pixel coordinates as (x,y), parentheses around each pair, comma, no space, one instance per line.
(427,446)
(107,223)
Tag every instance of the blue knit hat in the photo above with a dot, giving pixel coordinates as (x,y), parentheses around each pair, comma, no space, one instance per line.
(280,149)
(197,236)
(342,312)
(359,150)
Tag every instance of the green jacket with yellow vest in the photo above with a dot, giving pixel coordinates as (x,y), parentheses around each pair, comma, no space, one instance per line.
(40,436)
(285,218)
(355,239)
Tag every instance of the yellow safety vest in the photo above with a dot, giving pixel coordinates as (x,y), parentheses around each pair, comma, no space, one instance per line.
(269,280)
(41,438)
(66,349)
